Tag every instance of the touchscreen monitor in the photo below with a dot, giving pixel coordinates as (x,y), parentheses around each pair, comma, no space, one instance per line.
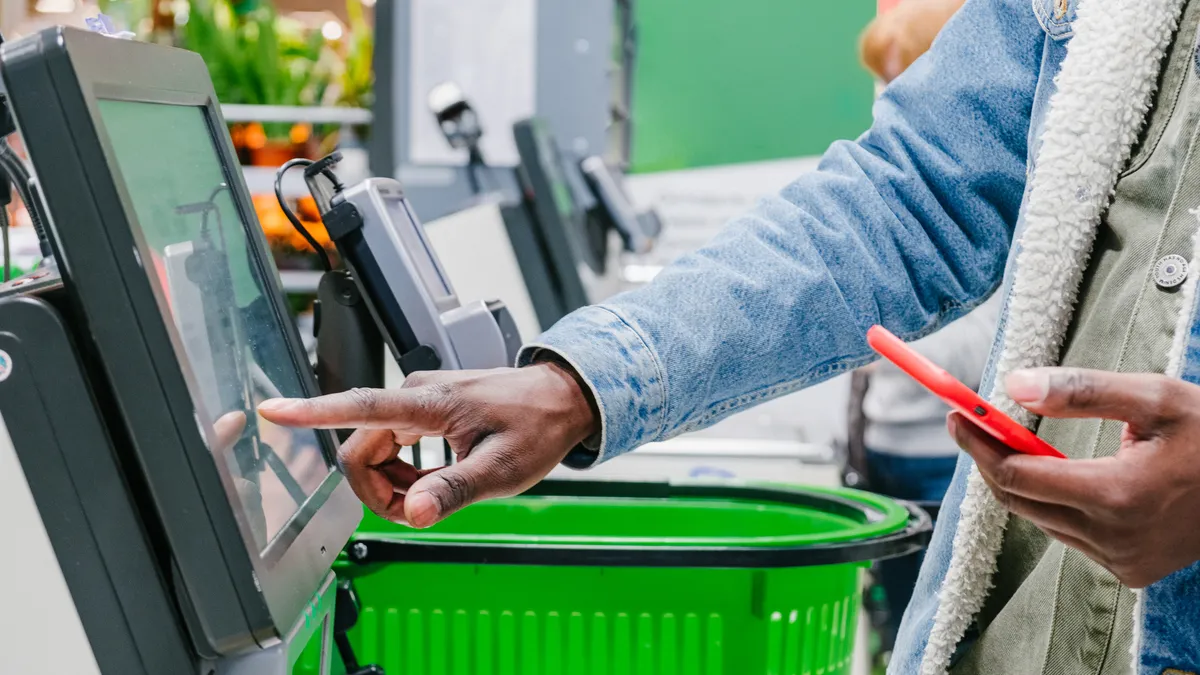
(169,287)
(230,344)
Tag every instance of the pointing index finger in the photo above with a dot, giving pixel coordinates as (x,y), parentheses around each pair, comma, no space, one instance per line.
(409,409)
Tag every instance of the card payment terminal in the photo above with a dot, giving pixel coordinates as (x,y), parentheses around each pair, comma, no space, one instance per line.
(423,322)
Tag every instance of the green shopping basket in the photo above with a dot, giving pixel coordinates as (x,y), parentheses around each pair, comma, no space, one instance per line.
(607,578)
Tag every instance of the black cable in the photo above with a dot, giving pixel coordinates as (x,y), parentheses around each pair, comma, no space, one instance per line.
(474,164)
(19,175)
(16,170)
(7,249)
(321,252)
(5,199)
(473,179)
(27,189)
(337,184)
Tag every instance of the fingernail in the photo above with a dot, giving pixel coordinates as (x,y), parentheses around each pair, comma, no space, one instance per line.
(422,509)
(952,426)
(1028,386)
(276,405)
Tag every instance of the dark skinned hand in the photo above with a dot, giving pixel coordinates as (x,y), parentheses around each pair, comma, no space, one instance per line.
(507,427)
(1134,513)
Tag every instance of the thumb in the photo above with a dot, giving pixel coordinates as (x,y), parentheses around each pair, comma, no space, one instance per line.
(488,472)
(1143,400)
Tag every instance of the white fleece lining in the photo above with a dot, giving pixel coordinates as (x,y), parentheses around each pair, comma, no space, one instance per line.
(1105,88)
(1139,615)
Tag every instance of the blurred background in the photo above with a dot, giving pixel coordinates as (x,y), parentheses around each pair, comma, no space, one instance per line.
(705,105)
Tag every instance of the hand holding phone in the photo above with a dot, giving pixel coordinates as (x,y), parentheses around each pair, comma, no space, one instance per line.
(958,395)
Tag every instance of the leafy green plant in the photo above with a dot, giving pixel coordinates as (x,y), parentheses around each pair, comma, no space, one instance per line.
(257,57)
(358,76)
(353,86)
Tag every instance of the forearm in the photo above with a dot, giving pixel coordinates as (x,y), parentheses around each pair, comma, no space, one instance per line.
(908,227)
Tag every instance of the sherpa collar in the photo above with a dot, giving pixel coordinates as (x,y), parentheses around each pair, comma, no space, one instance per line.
(1105,89)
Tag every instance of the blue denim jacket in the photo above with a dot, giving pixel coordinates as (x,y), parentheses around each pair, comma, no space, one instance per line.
(910,226)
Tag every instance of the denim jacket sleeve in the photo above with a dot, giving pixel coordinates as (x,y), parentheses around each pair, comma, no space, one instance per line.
(908,226)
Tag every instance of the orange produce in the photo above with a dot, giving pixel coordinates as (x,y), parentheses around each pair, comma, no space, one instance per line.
(279,230)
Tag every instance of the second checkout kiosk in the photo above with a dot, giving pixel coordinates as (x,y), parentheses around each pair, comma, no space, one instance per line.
(554,249)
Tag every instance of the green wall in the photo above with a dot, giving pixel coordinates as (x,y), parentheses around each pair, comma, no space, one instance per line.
(726,81)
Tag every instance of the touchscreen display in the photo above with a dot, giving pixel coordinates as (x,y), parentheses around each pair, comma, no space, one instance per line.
(228,338)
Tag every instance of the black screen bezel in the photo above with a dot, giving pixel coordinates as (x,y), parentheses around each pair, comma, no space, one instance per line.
(234,597)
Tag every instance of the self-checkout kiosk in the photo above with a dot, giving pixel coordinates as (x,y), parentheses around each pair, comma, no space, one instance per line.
(555,249)
(191,535)
(178,531)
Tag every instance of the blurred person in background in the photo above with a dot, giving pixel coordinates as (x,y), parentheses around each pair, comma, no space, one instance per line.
(897,37)
(907,453)
(899,429)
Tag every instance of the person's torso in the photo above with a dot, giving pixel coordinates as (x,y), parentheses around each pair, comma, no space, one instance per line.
(1053,610)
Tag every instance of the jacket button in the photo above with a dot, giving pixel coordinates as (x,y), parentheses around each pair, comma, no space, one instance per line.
(1170,271)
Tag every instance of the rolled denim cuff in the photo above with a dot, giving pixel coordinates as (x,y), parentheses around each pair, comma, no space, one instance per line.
(621,370)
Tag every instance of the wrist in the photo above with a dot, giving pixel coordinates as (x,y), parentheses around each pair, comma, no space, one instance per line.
(581,413)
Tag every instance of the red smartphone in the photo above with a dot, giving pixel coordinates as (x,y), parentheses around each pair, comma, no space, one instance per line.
(958,395)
